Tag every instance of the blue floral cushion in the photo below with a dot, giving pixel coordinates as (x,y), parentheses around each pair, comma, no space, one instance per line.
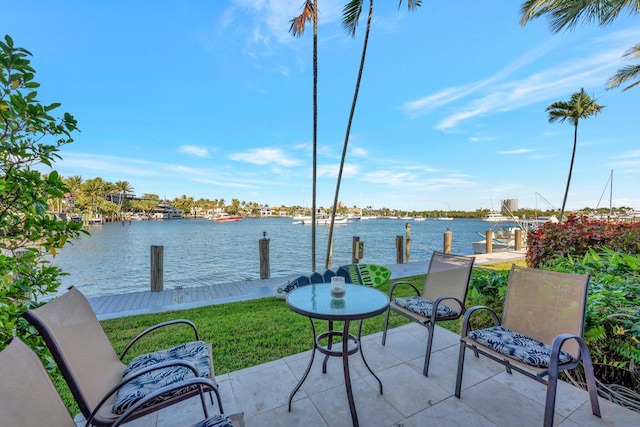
(517,346)
(195,352)
(219,420)
(424,307)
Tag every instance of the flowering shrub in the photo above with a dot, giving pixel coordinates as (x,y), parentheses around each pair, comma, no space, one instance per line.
(577,235)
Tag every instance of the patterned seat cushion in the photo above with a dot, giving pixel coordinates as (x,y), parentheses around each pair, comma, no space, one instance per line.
(219,420)
(424,307)
(517,346)
(195,352)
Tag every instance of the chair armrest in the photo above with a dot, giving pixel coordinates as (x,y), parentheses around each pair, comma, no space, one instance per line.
(202,382)
(556,346)
(135,374)
(470,311)
(158,326)
(394,284)
(438,300)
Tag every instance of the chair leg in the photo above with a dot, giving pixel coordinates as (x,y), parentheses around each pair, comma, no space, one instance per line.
(550,403)
(463,347)
(427,357)
(587,364)
(386,325)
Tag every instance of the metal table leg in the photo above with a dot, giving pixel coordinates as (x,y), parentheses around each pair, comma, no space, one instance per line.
(306,373)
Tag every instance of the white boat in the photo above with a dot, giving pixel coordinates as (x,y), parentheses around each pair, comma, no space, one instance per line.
(324,219)
(498,217)
(138,217)
(419,218)
(446,216)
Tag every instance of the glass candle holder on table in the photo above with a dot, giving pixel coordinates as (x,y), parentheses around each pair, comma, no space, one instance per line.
(338,287)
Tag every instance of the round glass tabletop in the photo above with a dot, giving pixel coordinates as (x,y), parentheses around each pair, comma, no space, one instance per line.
(359,302)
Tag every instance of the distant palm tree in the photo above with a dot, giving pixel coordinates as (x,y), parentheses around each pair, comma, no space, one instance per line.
(122,188)
(310,12)
(350,16)
(567,14)
(74,183)
(580,106)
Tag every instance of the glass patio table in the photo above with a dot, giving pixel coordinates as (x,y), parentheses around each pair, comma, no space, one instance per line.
(359,302)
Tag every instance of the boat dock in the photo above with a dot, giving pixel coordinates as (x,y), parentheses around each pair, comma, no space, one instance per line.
(144,302)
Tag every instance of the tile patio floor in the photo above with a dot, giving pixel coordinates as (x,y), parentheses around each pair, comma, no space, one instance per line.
(490,396)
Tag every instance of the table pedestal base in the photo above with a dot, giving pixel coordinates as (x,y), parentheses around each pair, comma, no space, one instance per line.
(343,351)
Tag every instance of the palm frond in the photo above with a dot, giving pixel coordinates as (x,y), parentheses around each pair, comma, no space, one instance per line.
(566,14)
(351,16)
(411,4)
(298,23)
(627,73)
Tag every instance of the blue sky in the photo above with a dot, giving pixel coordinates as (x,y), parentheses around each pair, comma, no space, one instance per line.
(213,99)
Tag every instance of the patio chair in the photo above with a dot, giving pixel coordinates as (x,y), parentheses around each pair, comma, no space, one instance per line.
(540,334)
(29,398)
(103,386)
(442,298)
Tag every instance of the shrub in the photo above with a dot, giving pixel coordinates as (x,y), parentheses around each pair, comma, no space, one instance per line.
(612,320)
(29,140)
(577,235)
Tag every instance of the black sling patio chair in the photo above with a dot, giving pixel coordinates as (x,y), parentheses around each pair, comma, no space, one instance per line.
(540,334)
(104,387)
(442,297)
(29,398)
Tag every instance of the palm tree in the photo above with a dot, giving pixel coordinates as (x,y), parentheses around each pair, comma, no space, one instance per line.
(122,188)
(567,14)
(580,106)
(350,17)
(74,183)
(310,12)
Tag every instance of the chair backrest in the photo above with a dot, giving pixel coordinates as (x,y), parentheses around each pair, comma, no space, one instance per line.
(448,275)
(79,346)
(27,395)
(544,304)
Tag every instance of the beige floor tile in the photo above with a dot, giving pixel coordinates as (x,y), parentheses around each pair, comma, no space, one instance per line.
(372,409)
(568,397)
(451,412)
(612,415)
(503,406)
(303,414)
(408,391)
(263,389)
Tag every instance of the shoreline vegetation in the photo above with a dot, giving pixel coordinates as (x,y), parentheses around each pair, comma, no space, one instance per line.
(95,201)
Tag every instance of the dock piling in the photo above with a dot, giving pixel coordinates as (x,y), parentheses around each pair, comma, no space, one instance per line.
(265,270)
(446,245)
(157,268)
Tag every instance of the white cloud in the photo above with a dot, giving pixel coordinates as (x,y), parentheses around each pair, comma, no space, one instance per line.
(194,150)
(497,94)
(263,156)
(518,151)
(331,171)
(270,17)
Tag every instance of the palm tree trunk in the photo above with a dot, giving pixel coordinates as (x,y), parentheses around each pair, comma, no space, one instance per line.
(315,134)
(573,155)
(348,132)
